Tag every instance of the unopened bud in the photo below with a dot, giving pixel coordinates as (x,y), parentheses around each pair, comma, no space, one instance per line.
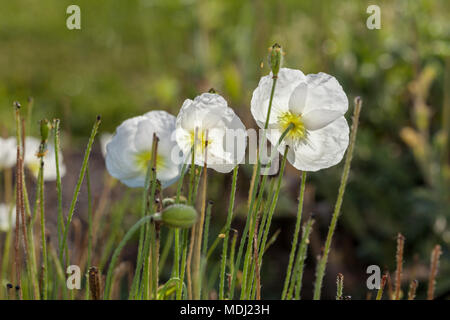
(167,202)
(275,58)
(178,216)
(45,129)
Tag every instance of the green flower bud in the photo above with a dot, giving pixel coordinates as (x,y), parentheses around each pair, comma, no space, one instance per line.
(167,202)
(275,58)
(179,216)
(45,129)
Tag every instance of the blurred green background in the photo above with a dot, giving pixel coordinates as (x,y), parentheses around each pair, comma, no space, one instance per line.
(134,56)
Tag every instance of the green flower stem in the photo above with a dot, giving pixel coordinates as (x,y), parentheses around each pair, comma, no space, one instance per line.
(89,258)
(300,261)
(77,192)
(185,232)
(273,205)
(339,286)
(296,233)
(43,237)
(60,217)
(117,252)
(348,159)
(261,231)
(137,273)
(166,249)
(252,199)
(198,242)
(247,258)
(206,232)
(227,234)
(150,271)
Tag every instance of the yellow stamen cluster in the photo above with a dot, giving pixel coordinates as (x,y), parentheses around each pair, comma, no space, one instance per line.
(287,118)
(200,142)
(142,159)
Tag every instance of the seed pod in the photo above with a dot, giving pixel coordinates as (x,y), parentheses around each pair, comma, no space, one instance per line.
(275,58)
(179,216)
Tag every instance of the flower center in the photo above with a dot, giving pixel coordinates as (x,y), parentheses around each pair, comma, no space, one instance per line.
(142,159)
(298,130)
(200,142)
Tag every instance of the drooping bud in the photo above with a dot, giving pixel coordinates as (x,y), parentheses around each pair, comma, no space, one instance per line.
(275,58)
(178,216)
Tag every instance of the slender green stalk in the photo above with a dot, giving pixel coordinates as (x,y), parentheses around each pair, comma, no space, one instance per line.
(90,237)
(253,195)
(231,259)
(144,207)
(348,160)
(206,232)
(382,284)
(60,217)
(296,234)
(77,191)
(166,249)
(227,234)
(272,209)
(185,242)
(300,261)
(339,286)
(115,256)
(198,242)
(150,236)
(43,237)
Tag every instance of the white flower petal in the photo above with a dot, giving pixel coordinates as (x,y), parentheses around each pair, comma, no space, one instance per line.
(210,115)
(32,162)
(288,80)
(322,148)
(317,119)
(324,92)
(8,152)
(297,101)
(133,138)
(7,217)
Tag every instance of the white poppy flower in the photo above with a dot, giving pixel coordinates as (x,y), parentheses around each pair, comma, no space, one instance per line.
(32,162)
(8,152)
(105,138)
(7,217)
(130,149)
(209,115)
(315,105)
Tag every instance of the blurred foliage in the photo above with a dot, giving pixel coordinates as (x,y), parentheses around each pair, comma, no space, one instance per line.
(134,56)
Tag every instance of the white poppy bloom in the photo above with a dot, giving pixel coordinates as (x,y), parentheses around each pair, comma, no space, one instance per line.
(130,149)
(32,162)
(315,105)
(7,217)
(212,119)
(8,152)
(105,138)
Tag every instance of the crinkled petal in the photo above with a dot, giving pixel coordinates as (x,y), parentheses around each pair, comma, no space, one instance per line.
(288,80)
(325,93)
